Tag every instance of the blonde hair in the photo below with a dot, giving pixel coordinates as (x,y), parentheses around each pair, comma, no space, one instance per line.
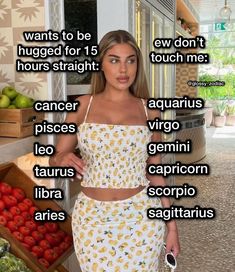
(139,88)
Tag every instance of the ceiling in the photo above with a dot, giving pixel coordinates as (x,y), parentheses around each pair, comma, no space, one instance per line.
(208,10)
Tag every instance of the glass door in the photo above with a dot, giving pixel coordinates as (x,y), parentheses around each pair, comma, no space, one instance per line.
(151,24)
(168,76)
(157,69)
(142,33)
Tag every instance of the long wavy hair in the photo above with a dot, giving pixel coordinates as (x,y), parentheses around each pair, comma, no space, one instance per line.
(139,87)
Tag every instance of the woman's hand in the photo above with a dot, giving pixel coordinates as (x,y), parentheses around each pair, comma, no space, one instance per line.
(172,242)
(69,159)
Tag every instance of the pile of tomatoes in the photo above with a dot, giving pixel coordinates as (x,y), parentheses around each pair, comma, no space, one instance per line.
(46,241)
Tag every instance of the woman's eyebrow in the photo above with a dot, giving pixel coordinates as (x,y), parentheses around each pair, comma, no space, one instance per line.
(115,56)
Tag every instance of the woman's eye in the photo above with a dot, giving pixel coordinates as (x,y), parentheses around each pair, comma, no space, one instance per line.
(130,61)
(113,60)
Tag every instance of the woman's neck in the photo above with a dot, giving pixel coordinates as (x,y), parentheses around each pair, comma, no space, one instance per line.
(116,95)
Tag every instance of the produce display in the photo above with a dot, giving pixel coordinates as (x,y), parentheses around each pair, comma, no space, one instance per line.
(46,241)
(8,261)
(11,99)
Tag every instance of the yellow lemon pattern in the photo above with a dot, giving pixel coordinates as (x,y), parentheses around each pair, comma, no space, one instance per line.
(113,236)
(117,235)
(115,155)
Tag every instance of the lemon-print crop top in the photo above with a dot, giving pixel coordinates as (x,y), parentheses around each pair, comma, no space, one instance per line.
(115,155)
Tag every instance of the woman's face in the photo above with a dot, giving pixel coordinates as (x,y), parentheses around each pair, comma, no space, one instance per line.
(119,66)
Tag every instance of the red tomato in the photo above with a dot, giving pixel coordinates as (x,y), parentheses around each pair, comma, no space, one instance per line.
(18,235)
(44,244)
(51,227)
(7,215)
(33,253)
(28,202)
(52,238)
(11,225)
(24,230)
(19,220)
(32,210)
(9,200)
(31,225)
(64,245)
(2,205)
(3,220)
(42,229)
(68,239)
(38,251)
(29,240)
(15,210)
(38,236)
(26,216)
(50,255)
(5,188)
(25,245)
(18,193)
(58,250)
(44,262)
(61,234)
(23,207)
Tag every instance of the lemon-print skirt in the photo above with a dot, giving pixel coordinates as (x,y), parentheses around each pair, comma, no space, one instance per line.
(113,236)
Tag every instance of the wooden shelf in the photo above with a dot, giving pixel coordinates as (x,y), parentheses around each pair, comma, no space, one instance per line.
(11,148)
(188,14)
(185,12)
(180,31)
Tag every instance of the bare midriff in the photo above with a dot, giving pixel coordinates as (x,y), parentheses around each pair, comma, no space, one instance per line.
(107,194)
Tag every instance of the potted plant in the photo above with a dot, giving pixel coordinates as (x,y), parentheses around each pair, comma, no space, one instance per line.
(230,118)
(219,114)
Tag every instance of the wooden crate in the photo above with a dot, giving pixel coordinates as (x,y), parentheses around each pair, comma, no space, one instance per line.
(18,122)
(14,176)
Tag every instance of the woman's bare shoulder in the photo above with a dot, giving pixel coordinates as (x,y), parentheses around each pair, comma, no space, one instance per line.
(83,104)
(152,113)
(84,99)
(78,116)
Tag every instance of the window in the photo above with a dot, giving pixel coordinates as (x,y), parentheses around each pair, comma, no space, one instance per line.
(80,15)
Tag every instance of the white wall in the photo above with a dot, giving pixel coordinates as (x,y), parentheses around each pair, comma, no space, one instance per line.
(113,15)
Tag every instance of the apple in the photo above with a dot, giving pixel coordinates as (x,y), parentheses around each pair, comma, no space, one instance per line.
(23,101)
(10,92)
(4,101)
(12,107)
(13,102)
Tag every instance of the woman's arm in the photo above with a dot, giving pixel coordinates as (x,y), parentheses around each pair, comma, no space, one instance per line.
(67,143)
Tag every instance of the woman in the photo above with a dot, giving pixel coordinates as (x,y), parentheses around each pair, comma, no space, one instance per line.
(110,228)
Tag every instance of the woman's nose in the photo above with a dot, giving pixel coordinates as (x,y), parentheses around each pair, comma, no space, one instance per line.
(123,67)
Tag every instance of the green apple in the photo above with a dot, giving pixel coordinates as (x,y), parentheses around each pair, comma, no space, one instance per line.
(12,106)
(10,92)
(31,102)
(14,101)
(23,101)
(4,101)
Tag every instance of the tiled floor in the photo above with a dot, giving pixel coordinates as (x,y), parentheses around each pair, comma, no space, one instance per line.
(208,245)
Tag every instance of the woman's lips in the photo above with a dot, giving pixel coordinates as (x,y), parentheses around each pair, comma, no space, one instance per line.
(123,79)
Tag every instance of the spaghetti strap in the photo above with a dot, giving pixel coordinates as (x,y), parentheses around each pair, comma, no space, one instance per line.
(145,108)
(88,108)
